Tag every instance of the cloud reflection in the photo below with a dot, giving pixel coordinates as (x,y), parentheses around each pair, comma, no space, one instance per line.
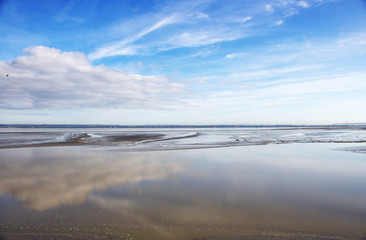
(67,178)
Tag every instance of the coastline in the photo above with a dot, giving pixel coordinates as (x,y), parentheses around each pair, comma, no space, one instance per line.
(179,139)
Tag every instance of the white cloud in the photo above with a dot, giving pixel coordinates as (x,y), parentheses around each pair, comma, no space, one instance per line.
(166,21)
(231,56)
(278,23)
(246,19)
(290,73)
(288,8)
(200,15)
(48,78)
(235,55)
(268,8)
(262,100)
(123,48)
(200,38)
(189,26)
(204,52)
(303,4)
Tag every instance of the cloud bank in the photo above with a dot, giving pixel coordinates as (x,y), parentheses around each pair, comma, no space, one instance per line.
(49,78)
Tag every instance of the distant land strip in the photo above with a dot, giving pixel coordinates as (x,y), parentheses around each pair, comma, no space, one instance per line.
(348,125)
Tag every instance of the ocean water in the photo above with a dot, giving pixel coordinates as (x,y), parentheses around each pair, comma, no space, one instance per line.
(183,184)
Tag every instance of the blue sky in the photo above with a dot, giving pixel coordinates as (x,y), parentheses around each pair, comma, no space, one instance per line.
(183,62)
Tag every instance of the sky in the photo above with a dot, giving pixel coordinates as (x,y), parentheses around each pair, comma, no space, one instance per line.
(182,62)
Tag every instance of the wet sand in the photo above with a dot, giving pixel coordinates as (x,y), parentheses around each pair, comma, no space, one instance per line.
(79,138)
(179,139)
(152,235)
(295,191)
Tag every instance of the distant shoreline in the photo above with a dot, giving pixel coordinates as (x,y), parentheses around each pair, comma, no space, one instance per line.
(331,126)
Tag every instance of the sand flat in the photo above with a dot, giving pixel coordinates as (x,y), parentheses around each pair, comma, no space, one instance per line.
(275,191)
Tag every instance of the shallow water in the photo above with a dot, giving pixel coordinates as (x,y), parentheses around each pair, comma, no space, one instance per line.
(153,139)
(278,191)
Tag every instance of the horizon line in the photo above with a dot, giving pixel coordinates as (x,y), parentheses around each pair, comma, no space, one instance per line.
(72,125)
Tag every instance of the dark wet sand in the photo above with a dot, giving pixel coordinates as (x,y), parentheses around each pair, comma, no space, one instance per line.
(147,235)
(297,191)
(82,139)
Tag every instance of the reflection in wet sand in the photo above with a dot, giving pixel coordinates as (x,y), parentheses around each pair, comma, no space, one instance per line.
(48,178)
(298,191)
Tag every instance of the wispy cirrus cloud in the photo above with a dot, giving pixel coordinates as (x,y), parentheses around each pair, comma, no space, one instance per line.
(290,73)
(327,51)
(311,99)
(123,48)
(199,38)
(290,7)
(246,19)
(64,15)
(303,4)
(48,78)
(193,27)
